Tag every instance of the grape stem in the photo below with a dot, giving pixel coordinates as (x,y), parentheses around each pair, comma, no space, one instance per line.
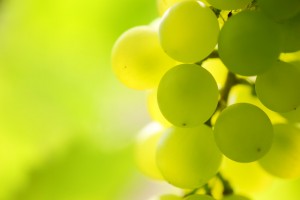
(228,190)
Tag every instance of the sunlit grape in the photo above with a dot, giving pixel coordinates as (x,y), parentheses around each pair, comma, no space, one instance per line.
(138,60)
(167,197)
(283,160)
(243,132)
(188,157)
(249,43)
(187,95)
(217,69)
(279,87)
(188,31)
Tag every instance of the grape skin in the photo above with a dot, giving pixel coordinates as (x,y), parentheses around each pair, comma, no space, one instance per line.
(243,132)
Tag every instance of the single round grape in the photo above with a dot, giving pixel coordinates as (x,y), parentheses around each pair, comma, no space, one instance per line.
(291,30)
(279,87)
(280,9)
(145,151)
(187,95)
(138,60)
(189,31)
(283,160)
(217,69)
(198,197)
(243,132)
(188,157)
(229,4)
(249,43)
(235,197)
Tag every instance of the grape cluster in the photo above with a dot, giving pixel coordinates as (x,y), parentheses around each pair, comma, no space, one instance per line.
(223,79)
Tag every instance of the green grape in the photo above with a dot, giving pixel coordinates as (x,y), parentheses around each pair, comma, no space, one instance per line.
(138,60)
(283,160)
(236,173)
(188,157)
(291,31)
(249,43)
(145,151)
(198,197)
(154,110)
(280,9)
(164,5)
(187,95)
(235,197)
(279,87)
(167,197)
(188,31)
(229,4)
(243,132)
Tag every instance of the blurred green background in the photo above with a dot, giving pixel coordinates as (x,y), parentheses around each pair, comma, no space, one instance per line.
(66,123)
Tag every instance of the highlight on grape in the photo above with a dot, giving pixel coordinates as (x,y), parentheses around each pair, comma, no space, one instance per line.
(223,86)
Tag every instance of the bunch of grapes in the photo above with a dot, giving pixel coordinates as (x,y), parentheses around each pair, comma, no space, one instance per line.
(223,79)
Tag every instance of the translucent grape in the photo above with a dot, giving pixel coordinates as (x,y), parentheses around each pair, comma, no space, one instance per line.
(291,31)
(188,31)
(145,151)
(249,43)
(280,9)
(187,95)
(138,60)
(229,4)
(279,87)
(188,157)
(243,132)
(283,160)
(198,197)
(235,197)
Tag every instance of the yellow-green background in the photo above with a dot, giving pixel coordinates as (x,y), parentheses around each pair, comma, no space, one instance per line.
(66,123)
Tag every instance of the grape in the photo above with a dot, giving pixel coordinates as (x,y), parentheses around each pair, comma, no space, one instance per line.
(187,95)
(235,197)
(279,87)
(188,31)
(283,160)
(243,132)
(291,31)
(249,43)
(154,110)
(198,197)
(138,60)
(188,157)
(229,4)
(280,9)
(163,5)
(145,151)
